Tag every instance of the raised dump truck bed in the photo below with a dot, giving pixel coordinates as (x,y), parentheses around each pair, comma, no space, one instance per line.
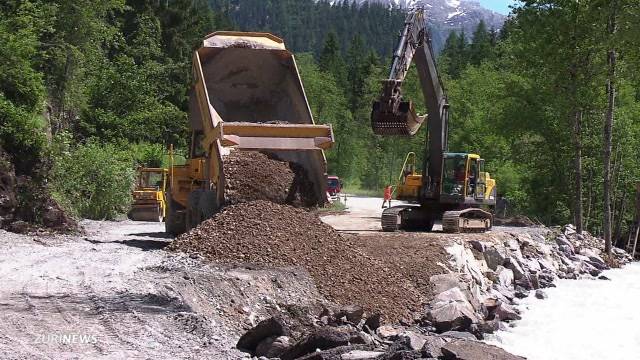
(247,94)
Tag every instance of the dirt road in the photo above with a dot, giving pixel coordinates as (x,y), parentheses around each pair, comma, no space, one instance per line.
(362,215)
(115,294)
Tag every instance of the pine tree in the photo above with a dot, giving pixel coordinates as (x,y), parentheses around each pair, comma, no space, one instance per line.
(331,60)
(480,47)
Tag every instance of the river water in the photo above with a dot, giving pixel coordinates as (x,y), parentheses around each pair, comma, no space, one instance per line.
(581,320)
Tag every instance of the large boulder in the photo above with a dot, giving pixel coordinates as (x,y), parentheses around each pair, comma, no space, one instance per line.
(506,312)
(512,264)
(450,310)
(444,282)
(475,350)
(505,277)
(273,346)
(353,313)
(326,337)
(271,327)
(414,340)
(356,352)
(494,257)
(432,346)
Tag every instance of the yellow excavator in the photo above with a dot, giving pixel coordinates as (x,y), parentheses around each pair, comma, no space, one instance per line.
(454,187)
(149,202)
(247,95)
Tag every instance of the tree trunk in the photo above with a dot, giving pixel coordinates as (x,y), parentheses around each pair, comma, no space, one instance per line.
(633,236)
(608,126)
(587,218)
(619,216)
(577,141)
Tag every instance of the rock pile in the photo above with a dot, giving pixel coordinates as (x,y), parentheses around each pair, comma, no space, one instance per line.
(347,333)
(265,233)
(489,276)
(251,175)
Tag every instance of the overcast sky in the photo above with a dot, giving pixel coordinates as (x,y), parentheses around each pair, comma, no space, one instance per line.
(500,6)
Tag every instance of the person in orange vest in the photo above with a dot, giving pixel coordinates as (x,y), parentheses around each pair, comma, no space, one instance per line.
(388,191)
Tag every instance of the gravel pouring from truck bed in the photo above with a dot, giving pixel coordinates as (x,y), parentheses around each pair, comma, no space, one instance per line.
(265,233)
(251,175)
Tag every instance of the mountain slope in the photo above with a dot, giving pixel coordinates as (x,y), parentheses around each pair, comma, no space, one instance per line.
(447,15)
(305,23)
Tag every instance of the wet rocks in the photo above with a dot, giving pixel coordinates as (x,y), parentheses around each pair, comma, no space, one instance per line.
(540,294)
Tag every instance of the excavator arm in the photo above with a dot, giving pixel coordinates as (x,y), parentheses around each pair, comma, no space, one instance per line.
(392,115)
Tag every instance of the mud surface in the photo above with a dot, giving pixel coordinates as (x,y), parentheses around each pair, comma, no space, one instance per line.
(251,175)
(117,295)
(269,234)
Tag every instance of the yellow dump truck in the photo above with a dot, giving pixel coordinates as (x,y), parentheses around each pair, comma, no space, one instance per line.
(149,202)
(247,95)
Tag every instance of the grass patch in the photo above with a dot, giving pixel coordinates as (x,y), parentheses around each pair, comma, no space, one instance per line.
(357,191)
(336,206)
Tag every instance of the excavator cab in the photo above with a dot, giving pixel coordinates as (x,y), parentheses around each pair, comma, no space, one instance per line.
(464,179)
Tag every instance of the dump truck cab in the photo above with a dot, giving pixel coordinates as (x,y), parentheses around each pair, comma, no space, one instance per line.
(149,201)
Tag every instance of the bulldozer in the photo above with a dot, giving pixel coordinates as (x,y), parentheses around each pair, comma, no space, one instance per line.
(149,202)
(247,95)
(453,187)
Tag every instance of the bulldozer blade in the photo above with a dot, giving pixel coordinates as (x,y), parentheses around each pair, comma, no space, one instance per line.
(403,122)
(145,213)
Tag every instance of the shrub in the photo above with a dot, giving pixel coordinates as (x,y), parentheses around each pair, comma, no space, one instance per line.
(93,180)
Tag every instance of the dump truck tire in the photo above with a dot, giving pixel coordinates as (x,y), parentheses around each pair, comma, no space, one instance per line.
(208,204)
(174,223)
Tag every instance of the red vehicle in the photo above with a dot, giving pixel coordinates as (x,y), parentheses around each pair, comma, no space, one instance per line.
(334,185)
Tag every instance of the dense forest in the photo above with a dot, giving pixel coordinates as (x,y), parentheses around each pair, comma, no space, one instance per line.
(88,90)
(305,23)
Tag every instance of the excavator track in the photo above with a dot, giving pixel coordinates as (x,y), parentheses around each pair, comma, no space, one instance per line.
(391,219)
(467,221)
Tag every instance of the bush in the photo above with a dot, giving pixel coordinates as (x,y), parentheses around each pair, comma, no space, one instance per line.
(94,181)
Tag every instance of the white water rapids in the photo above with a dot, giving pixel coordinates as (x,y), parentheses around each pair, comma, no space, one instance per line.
(580,320)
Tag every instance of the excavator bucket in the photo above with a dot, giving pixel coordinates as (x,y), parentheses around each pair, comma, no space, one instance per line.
(391,115)
(403,122)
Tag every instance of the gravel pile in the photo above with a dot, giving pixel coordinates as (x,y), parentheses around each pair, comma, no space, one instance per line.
(266,233)
(251,175)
